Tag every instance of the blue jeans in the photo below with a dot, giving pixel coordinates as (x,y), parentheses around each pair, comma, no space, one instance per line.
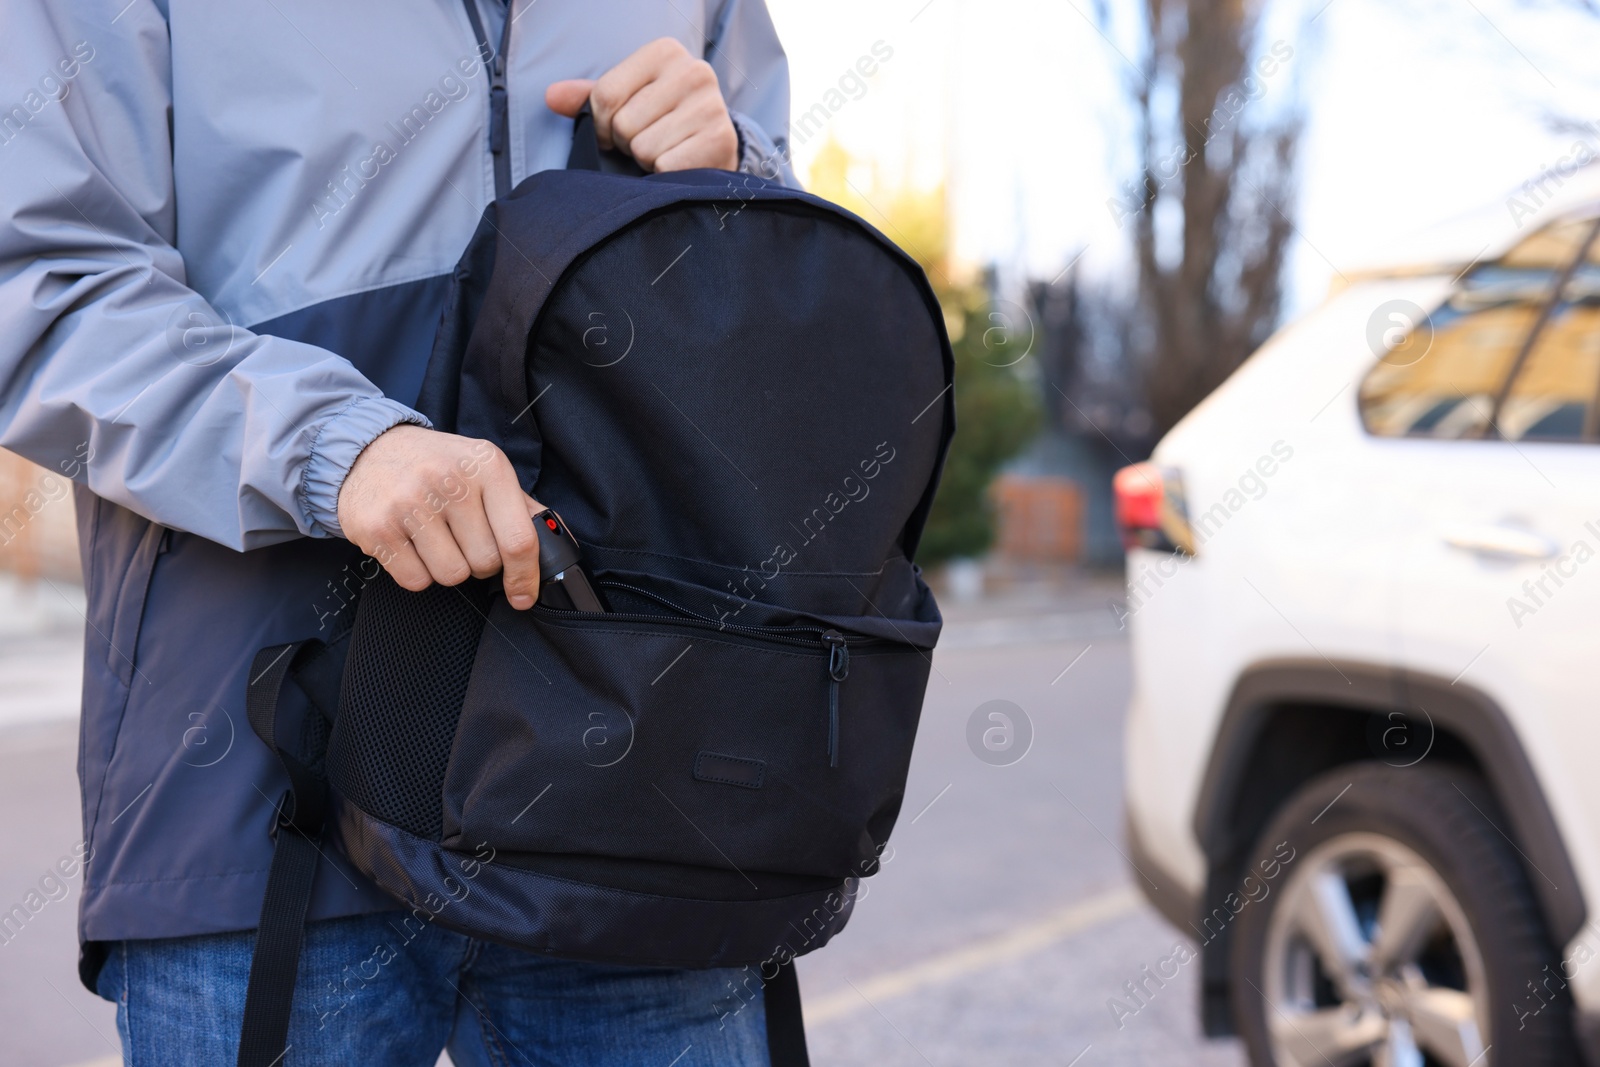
(387,990)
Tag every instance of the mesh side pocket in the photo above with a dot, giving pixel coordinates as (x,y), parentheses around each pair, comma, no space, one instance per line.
(411,658)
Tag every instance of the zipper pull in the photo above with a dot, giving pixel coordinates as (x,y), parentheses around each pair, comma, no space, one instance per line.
(498,125)
(838,671)
(838,655)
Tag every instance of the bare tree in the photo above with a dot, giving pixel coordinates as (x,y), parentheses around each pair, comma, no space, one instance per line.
(1212,203)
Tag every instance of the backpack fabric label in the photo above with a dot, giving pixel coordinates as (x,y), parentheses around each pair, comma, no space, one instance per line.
(729,770)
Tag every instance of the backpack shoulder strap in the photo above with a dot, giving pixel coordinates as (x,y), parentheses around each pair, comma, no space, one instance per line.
(302,811)
(786,1027)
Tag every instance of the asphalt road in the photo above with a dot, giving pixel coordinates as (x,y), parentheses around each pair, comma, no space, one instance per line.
(1001,924)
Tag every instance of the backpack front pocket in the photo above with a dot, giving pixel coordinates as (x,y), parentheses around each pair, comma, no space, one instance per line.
(674,741)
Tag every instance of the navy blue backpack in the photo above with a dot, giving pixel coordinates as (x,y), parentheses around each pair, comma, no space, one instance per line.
(738,398)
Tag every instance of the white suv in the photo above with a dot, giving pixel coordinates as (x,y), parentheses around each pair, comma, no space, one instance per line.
(1364,603)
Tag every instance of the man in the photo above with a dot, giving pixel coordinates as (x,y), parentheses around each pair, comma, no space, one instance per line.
(229,232)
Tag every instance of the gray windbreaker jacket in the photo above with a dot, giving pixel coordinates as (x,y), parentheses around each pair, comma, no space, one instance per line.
(228,233)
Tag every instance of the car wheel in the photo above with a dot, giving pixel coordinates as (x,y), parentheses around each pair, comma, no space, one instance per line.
(1399,929)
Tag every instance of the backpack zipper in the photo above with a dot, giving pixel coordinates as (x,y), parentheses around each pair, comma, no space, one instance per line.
(838,671)
(835,643)
(771,633)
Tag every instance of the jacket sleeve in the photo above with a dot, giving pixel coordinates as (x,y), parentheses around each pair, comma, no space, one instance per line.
(743,48)
(112,370)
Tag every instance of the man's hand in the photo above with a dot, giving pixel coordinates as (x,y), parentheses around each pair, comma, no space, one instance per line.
(661,105)
(434,507)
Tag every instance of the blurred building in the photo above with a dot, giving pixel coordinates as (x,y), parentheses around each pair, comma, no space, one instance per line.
(1040,519)
(38,533)
(1053,501)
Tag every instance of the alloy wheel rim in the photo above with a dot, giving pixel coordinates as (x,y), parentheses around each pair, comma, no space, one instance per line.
(1370,959)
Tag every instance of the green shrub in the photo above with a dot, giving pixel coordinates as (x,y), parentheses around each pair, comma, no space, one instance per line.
(997,413)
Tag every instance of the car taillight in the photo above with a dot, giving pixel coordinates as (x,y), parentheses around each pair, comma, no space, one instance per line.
(1151,509)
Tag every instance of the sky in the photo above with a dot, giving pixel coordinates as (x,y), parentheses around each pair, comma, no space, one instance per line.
(1417,111)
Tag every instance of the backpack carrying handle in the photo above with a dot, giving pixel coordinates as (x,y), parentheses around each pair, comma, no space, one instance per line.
(586,153)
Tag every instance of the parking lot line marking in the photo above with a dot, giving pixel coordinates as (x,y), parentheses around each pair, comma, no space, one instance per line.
(1015,944)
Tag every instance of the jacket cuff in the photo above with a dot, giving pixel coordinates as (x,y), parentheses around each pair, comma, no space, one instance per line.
(340,440)
(760,154)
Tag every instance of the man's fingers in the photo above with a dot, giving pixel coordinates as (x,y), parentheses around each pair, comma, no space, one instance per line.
(705,149)
(510,517)
(653,102)
(568,97)
(474,537)
(617,85)
(434,507)
(651,146)
(404,566)
(440,554)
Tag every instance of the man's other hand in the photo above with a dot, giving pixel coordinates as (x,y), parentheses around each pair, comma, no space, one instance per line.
(434,507)
(661,105)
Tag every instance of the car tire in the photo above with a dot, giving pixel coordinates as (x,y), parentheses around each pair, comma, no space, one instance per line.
(1466,973)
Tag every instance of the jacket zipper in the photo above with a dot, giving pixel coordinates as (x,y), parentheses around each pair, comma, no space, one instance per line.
(494,60)
(500,114)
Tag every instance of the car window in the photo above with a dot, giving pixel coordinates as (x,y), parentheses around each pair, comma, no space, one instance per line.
(1447,388)
(1450,374)
(1554,393)
(1552,247)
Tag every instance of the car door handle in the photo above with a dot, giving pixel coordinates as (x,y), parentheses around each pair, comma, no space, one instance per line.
(1501,542)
